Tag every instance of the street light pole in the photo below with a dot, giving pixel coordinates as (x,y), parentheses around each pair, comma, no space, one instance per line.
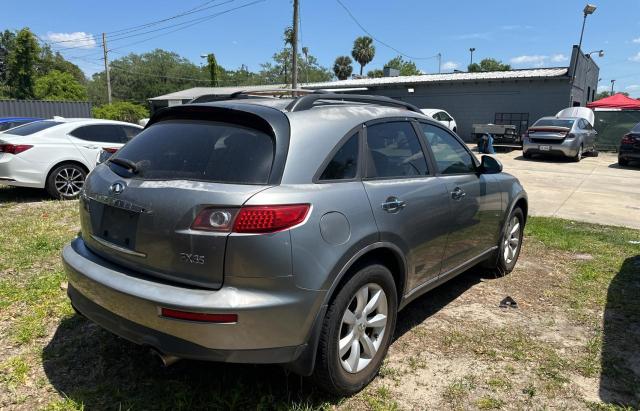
(471,50)
(588,9)
(612,83)
(439,62)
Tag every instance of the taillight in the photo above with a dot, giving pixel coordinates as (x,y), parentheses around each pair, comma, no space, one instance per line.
(14,148)
(628,139)
(267,219)
(199,317)
(110,149)
(251,219)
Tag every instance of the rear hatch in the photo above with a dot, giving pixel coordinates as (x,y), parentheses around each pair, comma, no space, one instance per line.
(548,134)
(142,209)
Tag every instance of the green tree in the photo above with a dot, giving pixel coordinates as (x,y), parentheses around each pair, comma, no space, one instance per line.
(377,73)
(363,51)
(7,41)
(406,67)
(137,77)
(48,61)
(278,71)
(57,85)
(342,67)
(122,111)
(21,65)
(212,66)
(488,64)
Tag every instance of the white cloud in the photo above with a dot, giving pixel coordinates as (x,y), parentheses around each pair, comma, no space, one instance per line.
(473,36)
(78,39)
(559,58)
(635,58)
(632,87)
(450,65)
(535,60)
(637,40)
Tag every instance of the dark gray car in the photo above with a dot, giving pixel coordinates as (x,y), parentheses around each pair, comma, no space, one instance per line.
(286,231)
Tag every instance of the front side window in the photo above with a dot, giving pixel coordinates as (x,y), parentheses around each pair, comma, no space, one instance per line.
(344,164)
(450,155)
(102,133)
(393,150)
(200,150)
(445,117)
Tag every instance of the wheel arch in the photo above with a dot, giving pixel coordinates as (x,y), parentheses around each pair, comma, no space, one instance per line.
(59,163)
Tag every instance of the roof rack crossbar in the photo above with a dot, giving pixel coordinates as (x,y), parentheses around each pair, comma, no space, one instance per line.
(308,101)
(270,92)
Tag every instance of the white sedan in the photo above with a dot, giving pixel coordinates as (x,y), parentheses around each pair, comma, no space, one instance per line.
(58,154)
(442,117)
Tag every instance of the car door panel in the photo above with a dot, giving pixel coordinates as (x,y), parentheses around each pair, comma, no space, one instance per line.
(410,206)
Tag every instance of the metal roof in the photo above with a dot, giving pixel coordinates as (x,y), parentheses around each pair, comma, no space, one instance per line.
(555,72)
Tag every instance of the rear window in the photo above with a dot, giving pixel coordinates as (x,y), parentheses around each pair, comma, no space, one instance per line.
(554,122)
(200,150)
(32,128)
(636,128)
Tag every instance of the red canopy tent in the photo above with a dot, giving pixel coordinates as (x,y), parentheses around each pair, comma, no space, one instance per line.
(616,101)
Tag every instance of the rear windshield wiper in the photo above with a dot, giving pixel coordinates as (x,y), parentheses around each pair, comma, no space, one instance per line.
(123,162)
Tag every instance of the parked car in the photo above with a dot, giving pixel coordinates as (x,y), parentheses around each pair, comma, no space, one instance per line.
(286,231)
(57,154)
(10,122)
(571,137)
(630,146)
(442,117)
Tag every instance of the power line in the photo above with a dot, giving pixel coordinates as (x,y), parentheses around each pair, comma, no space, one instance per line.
(200,20)
(157,75)
(380,41)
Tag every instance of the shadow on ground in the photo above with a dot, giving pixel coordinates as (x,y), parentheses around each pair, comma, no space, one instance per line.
(10,194)
(101,371)
(620,375)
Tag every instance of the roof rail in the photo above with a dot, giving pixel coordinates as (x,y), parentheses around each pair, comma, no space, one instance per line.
(272,92)
(308,101)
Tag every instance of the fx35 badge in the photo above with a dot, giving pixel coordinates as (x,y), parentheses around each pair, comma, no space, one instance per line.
(191,258)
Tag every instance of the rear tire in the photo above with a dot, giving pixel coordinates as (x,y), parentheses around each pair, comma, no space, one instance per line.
(579,154)
(526,155)
(65,181)
(623,162)
(357,331)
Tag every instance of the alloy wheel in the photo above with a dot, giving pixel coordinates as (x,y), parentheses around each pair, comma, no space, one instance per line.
(512,240)
(362,329)
(69,181)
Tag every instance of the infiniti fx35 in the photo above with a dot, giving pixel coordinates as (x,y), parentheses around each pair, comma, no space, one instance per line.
(289,230)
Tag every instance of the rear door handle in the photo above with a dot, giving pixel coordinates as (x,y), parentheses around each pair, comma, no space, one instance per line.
(458,193)
(393,205)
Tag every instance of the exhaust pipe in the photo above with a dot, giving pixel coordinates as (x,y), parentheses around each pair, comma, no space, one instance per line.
(165,360)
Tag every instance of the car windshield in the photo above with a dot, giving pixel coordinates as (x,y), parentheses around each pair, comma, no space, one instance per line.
(198,150)
(554,122)
(32,128)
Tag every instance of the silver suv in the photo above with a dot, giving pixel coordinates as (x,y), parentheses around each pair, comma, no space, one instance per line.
(288,230)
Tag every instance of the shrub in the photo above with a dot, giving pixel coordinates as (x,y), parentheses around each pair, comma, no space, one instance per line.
(122,111)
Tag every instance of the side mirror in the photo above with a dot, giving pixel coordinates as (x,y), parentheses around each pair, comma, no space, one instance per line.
(490,165)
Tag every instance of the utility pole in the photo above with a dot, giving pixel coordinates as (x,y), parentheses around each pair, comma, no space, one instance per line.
(471,50)
(294,47)
(439,62)
(612,83)
(106,66)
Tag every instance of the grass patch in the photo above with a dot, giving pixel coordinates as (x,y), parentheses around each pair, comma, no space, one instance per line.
(489,403)
(381,400)
(14,371)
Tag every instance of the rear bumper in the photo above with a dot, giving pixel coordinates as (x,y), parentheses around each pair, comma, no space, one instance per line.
(17,172)
(275,318)
(568,148)
(629,154)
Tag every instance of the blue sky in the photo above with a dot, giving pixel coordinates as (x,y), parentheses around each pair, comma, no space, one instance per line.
(513,31)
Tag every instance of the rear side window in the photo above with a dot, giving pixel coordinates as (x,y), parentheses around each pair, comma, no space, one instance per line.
(32,128)
(394,151)
(200,150)
(344,164)
(102,133)
(131,132)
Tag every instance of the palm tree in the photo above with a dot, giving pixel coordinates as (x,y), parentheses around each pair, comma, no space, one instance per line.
(305,52)
(342,67)
(363,51)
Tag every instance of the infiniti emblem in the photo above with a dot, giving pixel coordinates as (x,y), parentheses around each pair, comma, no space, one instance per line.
(117,188)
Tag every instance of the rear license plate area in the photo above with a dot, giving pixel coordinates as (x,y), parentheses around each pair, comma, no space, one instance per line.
(119,227)
(544,148)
